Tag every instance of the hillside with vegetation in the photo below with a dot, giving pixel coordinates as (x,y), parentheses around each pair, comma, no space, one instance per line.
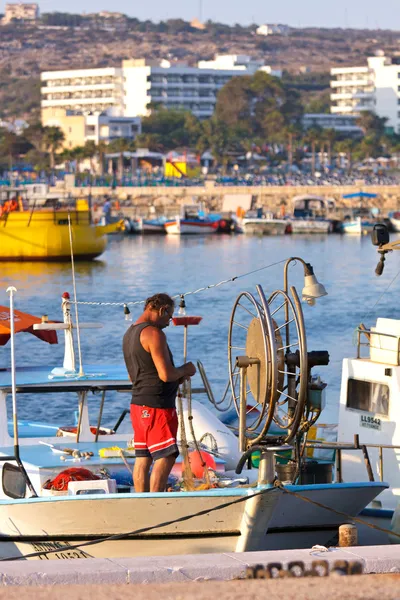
(65,41)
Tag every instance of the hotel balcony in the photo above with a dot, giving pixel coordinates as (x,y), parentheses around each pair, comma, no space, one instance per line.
(72,102)
(335,83)
(62,89)
(344,110)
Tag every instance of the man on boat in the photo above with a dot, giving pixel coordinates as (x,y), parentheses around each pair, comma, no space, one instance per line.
(155,382)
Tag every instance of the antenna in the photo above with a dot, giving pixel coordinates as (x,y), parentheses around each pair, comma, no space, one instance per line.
(81,373)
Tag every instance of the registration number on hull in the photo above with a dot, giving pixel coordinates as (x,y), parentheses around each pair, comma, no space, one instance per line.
(370,422)
(63,551)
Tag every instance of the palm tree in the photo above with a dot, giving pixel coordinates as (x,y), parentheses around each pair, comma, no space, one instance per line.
(121,145)
(78,154)
(9,143)
(313,135)
(346,147)
(90,151)
(329,136)
(53,138)
(101,151)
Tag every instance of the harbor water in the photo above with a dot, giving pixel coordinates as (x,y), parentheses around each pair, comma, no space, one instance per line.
(133,268)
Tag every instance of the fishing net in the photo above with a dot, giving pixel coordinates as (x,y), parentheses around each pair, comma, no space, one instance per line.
(187,475)
(60,482)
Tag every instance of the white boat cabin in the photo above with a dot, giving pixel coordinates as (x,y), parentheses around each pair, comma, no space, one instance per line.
(370,408)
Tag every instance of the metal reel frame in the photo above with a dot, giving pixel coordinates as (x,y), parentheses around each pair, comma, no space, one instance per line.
(268,360)
(296,403)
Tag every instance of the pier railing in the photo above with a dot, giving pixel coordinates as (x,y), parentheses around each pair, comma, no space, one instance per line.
(340,446)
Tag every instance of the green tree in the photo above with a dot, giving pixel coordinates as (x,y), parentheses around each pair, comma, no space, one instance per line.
(165,130)
(371,124)
(347,147)
(53,138)
(10,145)
(258,105)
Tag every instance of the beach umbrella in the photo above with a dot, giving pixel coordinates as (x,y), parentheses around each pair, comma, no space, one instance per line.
(22,322)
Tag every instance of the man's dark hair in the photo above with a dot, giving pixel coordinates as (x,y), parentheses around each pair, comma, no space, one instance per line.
(158,301)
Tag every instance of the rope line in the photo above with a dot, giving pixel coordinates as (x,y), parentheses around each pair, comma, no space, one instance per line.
(370,310)
(337,512)
(190,293)
(119,536)
(277,484)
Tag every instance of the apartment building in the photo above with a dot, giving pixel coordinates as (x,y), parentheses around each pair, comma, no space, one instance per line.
(343,124)
(139,84)
(20,12)
(79,127)
(374,87)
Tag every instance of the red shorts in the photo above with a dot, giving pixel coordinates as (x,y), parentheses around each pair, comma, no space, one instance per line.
(155,431)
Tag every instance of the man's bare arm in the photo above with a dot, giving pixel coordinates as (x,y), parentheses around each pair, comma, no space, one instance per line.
(154,341)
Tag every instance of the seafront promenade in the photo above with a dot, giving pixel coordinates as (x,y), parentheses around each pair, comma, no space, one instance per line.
(270,197)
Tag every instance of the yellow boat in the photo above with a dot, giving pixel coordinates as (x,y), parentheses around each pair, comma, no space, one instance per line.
(43,235)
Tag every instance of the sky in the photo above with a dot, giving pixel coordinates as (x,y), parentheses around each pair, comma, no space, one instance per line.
(368,14)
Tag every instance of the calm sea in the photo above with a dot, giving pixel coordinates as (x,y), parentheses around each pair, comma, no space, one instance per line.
(134,268)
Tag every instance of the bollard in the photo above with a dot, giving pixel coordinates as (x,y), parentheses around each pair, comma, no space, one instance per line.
(348,536)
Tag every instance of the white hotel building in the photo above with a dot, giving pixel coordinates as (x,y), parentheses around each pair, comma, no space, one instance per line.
(133,88)
(375,87)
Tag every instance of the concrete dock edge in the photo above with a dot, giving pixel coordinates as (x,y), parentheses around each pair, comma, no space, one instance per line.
(199,567)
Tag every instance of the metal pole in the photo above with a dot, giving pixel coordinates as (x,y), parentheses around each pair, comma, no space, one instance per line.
(82,397)
(185,338)
(339,465)
(11,291)
(185,334)
(367,463)
(103,396)
(242,409)
(381,463)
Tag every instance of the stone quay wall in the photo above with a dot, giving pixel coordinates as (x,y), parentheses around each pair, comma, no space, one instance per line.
(270,197)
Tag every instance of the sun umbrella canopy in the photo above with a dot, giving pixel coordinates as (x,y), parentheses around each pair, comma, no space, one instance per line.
(22,322)
(360,195)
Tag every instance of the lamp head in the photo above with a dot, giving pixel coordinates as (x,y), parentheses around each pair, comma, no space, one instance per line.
(312,289)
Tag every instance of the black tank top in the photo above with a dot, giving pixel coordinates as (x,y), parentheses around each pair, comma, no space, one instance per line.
(147,388)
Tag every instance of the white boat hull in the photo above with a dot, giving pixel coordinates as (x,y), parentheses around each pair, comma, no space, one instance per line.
(357,227)
(310,226)
(239,527)
(264,226)
(274,520)
(186,227)
(395,224)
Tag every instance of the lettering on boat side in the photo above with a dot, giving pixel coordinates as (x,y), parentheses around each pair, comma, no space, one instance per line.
(64,553)
(370,422)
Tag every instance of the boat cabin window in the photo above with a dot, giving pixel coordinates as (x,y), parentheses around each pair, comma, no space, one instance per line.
(368,396)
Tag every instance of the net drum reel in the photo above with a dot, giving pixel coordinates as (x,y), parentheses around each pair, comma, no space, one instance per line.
(268,366)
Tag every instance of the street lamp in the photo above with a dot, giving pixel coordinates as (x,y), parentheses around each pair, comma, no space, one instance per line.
(312,288)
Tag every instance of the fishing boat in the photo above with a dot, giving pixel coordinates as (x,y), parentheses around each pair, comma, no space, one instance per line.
(42,234)
(394,219)
(358,225)
(190,221)
(50,511)
(361,219)
(263,223)
(310,214)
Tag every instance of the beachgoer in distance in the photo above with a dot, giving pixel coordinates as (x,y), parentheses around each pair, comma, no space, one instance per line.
(107,211)
(155,382)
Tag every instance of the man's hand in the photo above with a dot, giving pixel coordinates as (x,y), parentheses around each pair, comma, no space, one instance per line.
(190,369)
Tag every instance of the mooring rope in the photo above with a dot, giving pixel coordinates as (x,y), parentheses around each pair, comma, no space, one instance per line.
(189,293)
(277,484)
